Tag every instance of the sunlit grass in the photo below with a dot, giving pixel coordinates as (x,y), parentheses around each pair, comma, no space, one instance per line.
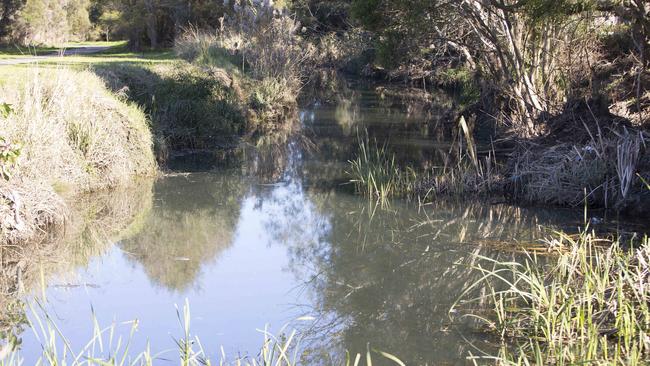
(117,52)
(377,175)
(591,305)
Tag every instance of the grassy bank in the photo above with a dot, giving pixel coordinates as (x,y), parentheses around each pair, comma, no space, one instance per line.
(63,132)
(588,303)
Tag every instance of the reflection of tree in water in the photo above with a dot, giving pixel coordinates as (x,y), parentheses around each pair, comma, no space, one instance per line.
(94,223)
(389,279)
(192,222)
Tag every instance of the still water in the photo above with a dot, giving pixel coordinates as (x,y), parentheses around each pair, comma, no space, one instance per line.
(278,241)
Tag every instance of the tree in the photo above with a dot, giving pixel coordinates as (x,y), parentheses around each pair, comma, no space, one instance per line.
(51,22)
(7,15)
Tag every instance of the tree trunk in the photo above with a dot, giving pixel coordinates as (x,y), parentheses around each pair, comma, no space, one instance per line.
(151,23)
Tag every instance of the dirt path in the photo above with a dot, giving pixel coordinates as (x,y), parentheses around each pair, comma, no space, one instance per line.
(62,53)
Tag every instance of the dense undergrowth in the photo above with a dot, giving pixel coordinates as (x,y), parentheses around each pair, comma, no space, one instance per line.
(608,170)
(189,108)
(264,59)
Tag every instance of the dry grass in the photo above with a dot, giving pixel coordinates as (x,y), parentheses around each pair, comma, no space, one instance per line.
(602,171)
(74,135)
(261,44)
(261,52)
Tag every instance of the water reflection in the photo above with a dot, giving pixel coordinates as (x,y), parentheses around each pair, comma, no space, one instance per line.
(388,277)
(93,224)
(191,223)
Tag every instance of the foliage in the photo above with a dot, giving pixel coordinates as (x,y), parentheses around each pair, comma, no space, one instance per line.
(9,154)
(8,10)
(51,22)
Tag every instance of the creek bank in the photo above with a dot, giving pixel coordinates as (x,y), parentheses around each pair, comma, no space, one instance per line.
(586,155)
(63,132)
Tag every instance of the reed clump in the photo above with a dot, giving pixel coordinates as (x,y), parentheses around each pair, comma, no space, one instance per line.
(590,303)
(74,136)
(375,172)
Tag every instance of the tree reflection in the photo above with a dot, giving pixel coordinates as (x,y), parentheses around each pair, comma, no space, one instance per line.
(388,277)
(191,223)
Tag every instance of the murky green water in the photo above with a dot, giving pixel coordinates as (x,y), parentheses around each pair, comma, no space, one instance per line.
(277,240)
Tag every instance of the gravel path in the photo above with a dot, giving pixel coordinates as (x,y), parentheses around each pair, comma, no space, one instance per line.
(64,52)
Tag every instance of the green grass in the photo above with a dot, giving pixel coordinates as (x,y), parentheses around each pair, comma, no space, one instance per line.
(589,305)
(376,174)
(117,52)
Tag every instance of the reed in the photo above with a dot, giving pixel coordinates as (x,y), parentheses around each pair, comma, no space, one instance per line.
(107,347)
(376,174)
(591,304)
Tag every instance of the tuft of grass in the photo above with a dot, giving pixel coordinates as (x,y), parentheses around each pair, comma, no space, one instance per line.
(590,304)
(375,173)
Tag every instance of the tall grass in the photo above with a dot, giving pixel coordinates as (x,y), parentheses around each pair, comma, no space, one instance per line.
(590,304)
(74,135)
(107,347)
(262,52)
(375,173)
